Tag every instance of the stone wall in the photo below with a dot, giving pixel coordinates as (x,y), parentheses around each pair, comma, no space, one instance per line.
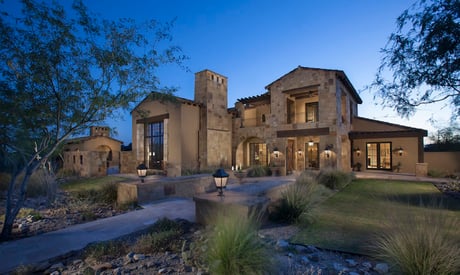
(128,162)
(157,189)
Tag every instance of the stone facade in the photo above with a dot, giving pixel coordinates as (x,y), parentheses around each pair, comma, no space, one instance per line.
(95,155)
(196,134)
(307,119)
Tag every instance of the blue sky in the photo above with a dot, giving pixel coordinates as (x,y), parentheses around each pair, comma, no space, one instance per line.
(255,42)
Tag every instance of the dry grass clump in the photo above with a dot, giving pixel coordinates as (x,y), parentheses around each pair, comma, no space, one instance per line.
(334,179)
(297,199)
(164,235)
(420,244)
(234,247)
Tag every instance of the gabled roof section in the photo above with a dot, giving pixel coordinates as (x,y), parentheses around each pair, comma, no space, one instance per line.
(370,128)
(339,73)
(164,97)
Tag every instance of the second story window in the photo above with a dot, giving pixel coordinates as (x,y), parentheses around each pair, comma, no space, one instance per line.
(311,112)
(290,106)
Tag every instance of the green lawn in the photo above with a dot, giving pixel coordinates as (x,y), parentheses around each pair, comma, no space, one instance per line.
(348,220)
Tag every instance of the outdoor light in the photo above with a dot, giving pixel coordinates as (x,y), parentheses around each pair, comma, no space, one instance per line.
(299,152)
(142,171)
(276,152)
(310,143)
(358,151)
(327,150)
(220,179)
(400,150)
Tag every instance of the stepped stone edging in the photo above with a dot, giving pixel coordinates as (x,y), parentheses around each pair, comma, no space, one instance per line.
(161,188)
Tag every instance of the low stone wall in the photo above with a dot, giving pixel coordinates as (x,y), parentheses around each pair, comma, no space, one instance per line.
(160,188)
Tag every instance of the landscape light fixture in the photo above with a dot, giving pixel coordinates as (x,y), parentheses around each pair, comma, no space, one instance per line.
(220,180)
(142,171)
(327,150)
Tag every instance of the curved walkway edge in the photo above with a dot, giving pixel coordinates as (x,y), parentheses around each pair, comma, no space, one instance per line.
(41,248)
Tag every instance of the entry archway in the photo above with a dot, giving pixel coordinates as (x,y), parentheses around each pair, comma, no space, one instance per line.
(251,152)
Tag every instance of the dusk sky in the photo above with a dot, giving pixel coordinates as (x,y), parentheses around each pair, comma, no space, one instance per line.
(254,43)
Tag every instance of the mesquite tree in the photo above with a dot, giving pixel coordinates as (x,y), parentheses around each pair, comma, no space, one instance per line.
(422,59)
(63,69)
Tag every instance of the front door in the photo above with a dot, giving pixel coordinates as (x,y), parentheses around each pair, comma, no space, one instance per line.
(312,156)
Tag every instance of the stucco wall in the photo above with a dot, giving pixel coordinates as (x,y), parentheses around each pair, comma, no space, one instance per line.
(189,132)
(408,159)
(443,162)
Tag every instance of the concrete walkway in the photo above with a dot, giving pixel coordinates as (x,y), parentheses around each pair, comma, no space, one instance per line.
(50,245)
(41,248)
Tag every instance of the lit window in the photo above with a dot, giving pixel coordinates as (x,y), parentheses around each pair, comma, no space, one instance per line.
(311,111)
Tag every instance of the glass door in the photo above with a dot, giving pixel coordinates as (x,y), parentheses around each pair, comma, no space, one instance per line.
(312,156)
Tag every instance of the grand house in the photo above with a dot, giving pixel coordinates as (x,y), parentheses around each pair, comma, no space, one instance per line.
(306,119)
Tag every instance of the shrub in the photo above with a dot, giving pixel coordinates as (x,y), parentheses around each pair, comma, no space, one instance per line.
(99,251)
(163,235)
(436,173)
(296,199)
(234,247)
(158,242)
(107,194)
(259,171)
(165,224)
(334,179)
(420,244)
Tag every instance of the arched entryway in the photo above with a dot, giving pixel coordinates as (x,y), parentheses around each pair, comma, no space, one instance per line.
(252,151)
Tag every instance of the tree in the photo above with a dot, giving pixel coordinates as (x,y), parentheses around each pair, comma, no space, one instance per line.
(62,70)
(423,57)
(445,139)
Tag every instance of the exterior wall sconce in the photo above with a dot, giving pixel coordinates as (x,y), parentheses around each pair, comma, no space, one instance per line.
(358,151)
(400,150)
(311,143)
(220,180)
(142,171)
(276,152)
(299,152)
(327,150)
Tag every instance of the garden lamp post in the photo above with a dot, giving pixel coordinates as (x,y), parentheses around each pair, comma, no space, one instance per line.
(142,171)
(220,179)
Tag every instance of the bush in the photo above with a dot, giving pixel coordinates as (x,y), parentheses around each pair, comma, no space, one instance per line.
(158,242)
(165,224)
(259,171)
(234,247)
(40,183)
(296,199)
(163,235)
(420,244)
(109,193)
(334,179)
(106,194)
(99,251)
